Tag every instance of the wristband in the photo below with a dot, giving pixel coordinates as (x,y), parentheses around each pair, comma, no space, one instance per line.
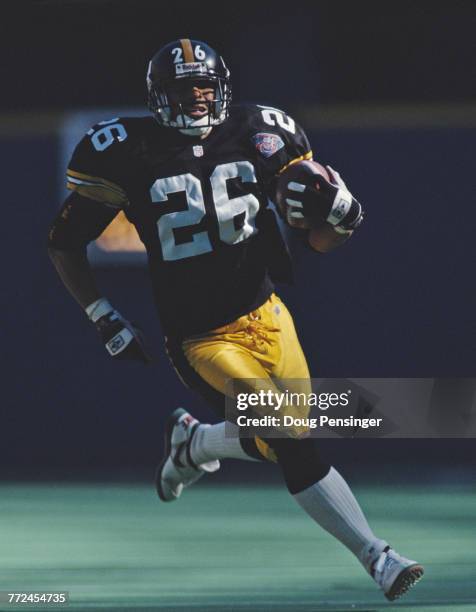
(340,207)
(98,309)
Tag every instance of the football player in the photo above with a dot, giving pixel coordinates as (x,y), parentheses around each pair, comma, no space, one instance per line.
(195,178)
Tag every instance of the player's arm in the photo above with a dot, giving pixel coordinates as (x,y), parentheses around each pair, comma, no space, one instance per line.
(97,176)
(80,221)
(285,144)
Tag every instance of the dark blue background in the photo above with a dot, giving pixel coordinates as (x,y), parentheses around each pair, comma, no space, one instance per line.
(85,53)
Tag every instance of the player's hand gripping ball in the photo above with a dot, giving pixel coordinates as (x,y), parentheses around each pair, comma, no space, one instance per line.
(310,196)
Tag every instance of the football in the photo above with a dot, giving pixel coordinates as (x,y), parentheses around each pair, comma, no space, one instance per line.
(322,237)
(298,172)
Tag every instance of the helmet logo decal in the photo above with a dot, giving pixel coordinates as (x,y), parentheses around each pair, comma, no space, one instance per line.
(267,144)
(190,67)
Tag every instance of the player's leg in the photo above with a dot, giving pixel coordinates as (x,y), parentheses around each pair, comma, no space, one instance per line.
(316,486)
(247,351)
(230,354)
(326,497)
(319,488)
(205,364)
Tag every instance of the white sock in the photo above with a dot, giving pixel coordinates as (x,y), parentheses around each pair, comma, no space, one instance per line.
(210,442)
(331,503)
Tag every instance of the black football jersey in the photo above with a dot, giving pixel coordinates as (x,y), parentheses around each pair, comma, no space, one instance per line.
(199,206)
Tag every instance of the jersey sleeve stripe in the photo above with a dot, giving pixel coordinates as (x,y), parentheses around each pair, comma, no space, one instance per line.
(187,50)
(94,180)
(307,155)
(98,193)
(96,188)
(76,181)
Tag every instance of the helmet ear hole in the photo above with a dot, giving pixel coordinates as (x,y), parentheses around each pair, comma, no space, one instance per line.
(180,62)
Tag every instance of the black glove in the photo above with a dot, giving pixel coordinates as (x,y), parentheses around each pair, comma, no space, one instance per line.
(120,337)
(323,201)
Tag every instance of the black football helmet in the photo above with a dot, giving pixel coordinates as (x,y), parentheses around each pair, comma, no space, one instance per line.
(194,60)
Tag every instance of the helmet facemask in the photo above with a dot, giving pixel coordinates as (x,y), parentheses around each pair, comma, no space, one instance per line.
(170,107)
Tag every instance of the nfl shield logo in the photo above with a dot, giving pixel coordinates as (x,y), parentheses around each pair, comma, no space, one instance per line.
(198,150)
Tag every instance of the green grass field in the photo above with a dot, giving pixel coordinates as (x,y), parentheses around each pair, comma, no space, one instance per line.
(117,548)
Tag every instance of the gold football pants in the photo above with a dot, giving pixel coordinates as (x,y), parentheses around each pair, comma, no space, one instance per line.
(255,351)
